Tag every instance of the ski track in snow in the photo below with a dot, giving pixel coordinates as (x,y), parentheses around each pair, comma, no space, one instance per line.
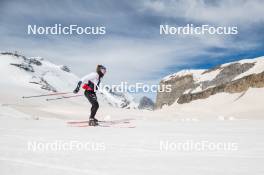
(23,162)
(131,151)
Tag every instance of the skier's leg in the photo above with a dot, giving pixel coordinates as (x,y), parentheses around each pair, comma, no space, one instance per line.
(93,100)
(94,108)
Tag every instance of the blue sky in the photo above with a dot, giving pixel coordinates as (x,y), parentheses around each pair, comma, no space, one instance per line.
(132,49)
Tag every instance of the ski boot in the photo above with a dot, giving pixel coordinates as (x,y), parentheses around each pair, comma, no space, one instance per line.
(93,122)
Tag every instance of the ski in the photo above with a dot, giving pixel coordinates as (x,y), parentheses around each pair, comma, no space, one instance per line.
(122,123)
(103,121)
(105,125)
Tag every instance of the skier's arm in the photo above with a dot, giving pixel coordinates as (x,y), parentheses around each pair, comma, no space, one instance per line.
(90,76)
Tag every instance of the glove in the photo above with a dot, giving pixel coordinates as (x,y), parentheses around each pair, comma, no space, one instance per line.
(76,90)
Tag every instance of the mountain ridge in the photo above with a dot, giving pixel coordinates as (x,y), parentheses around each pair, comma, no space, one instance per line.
(233,77)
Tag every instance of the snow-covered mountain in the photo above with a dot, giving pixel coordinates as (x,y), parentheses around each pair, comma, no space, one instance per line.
(22,76)
(237,84)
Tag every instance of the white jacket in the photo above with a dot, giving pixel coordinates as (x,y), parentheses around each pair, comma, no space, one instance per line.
(93,77)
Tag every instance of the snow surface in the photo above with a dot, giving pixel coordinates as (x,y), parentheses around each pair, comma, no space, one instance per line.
(245,105)
(129,150)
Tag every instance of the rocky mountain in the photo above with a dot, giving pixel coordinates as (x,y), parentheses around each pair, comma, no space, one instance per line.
(146,103)
(190,85)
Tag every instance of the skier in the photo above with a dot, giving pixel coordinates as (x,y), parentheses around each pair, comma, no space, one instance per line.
(90,84)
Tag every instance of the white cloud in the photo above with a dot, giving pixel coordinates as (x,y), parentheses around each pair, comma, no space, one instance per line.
(126,59)
(242,12)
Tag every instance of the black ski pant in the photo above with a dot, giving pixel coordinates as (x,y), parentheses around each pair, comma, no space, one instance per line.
(91,96)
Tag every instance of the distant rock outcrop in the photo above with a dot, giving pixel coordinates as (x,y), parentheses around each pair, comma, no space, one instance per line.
(65,68)
(26,67)
(146,103)
(189,85)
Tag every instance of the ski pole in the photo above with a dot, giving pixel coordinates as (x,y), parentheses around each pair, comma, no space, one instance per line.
(50,94)
(63,97)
